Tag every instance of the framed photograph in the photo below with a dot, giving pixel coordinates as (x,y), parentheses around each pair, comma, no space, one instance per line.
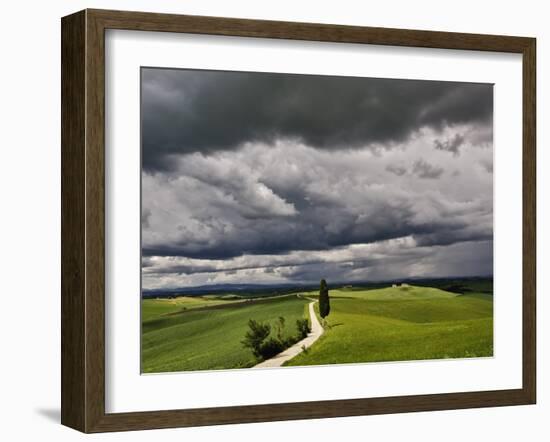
(269,220)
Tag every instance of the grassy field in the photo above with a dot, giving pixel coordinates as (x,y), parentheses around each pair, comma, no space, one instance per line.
(153,308)
(205,333)
(403,323)
(365,325)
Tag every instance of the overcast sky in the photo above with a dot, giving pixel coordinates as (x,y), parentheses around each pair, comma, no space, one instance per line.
(278,178)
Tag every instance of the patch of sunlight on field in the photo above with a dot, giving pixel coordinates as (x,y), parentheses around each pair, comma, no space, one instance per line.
(393,293)
(151,308)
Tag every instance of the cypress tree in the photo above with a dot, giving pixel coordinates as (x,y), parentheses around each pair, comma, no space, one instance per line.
(324,303)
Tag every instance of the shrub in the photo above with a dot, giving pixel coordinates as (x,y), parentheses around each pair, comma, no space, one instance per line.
(263,346)
(270,348)
(291,340)
(255,336)
(303,328)
(280,328)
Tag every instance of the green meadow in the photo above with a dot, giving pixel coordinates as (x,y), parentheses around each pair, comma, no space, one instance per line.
(365,325)
(402,324)
(206,333)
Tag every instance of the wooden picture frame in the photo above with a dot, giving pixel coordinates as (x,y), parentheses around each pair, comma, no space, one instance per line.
(83,220)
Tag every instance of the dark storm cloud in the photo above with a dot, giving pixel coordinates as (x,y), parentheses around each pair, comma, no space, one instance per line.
(308,232)
(487,165)
(452,145)
(212,267)
(384,260)
(268,177)
(396,170)
(308,235)
(145,214)
(446,237)
(274,200)
(425,170)
(207,111)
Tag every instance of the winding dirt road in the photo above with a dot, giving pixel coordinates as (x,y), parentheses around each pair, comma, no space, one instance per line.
(316,332)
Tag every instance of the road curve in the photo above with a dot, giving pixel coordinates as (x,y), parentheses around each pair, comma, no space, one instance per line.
(316,332)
